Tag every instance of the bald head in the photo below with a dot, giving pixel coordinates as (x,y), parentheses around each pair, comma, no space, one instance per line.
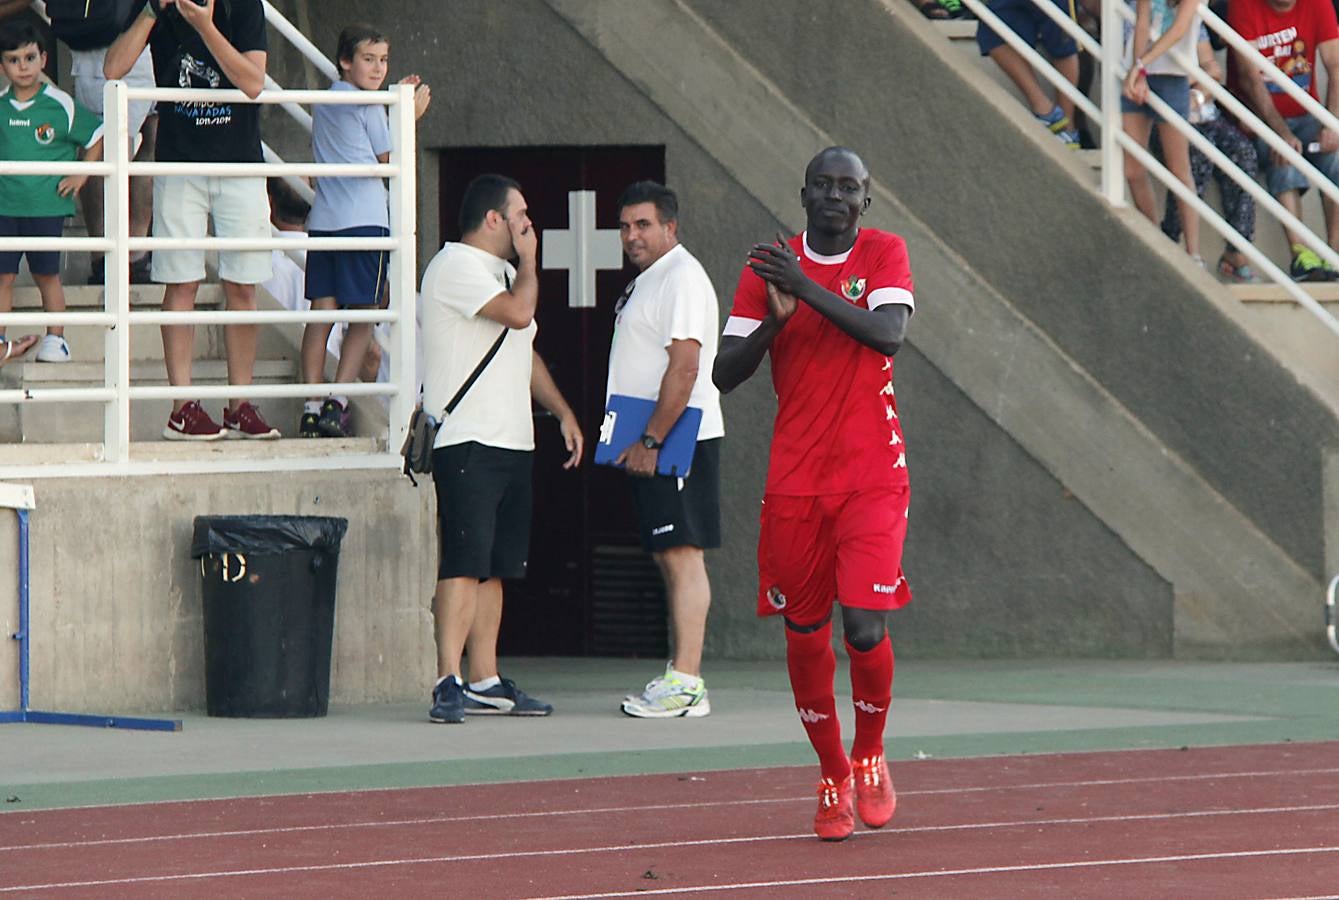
(832,154)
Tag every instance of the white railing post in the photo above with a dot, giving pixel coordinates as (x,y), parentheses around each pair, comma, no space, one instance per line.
(116,280)
(404,266)
(1113,159)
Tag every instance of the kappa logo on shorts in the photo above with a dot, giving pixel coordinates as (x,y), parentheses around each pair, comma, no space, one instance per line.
(888,588)
(663,529)
(853,288)
(776,598)
(811,715)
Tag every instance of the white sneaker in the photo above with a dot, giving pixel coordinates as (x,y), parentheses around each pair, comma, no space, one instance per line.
(53,349)
(669,697)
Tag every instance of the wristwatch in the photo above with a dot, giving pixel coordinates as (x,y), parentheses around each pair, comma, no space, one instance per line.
(650,443)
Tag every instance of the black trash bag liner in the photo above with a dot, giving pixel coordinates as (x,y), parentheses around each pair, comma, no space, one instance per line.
(266,534)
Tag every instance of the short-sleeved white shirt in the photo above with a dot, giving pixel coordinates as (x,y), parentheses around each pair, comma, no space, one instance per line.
(496,411)
(672,300)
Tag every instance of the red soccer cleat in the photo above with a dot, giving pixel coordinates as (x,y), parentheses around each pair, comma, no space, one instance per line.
(875,798)
(835,819)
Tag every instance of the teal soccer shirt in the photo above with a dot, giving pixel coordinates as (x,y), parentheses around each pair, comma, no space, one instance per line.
(49,127)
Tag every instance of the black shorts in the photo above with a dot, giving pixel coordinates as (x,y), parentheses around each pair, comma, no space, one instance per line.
(40,262)
(671,513)
(483,511)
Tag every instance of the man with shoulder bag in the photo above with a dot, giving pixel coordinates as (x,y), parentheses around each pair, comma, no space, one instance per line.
(480,367)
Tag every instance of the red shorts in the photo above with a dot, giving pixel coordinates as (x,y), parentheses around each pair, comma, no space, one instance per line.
(842,547)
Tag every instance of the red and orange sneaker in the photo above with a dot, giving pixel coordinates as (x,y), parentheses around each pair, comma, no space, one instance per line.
(835,819)
(875,798)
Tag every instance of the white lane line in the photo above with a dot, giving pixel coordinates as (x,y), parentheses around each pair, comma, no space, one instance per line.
(662,845)
(709,804)
(985,870)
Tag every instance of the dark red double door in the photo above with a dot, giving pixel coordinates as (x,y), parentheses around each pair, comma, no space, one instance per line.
(591,590)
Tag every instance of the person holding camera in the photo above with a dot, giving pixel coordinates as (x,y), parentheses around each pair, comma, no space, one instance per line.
(212,45)
(479,332)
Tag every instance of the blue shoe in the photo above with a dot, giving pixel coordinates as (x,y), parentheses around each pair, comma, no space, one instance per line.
(448,702)
(504,699)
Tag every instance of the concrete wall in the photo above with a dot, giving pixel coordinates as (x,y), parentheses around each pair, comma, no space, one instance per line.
(116,600)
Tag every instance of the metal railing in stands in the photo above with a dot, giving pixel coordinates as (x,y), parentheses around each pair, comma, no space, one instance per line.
(1114,139)
(117,318)
(117,391)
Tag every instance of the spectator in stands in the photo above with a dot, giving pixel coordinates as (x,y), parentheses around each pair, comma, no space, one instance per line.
(214,45)
(42,123)
(1034,27)
(1161,27)
(23,10)
(349,207)
(1290,33)
(479,316)
(1238,206)
(88,29)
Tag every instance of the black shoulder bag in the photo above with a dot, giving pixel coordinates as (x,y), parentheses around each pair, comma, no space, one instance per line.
(422,434)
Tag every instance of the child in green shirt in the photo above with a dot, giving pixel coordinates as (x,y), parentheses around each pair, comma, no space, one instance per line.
(41,123)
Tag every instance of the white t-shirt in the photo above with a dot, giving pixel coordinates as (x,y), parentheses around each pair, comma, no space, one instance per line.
(496,411)
(672,300)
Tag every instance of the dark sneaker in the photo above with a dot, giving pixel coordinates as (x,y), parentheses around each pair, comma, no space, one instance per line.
(334,421)
(192,423)
(141,270)
(97,272)
(1307,266)
(248,423)
(504,699)
(307,425)
(448,702)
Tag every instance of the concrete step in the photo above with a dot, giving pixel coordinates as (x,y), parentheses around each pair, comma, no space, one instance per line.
(33,454)
(1326,293)
(88,297)
(77,423)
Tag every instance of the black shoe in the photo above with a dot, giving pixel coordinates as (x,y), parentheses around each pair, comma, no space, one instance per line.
(334,421)
(141,270)
(504,699)
(448,702)
(97,273)
(307,425)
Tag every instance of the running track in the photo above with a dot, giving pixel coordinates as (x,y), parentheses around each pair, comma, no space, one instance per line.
(1233,822)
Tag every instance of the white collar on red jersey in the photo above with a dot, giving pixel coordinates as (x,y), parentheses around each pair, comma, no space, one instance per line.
(820,258)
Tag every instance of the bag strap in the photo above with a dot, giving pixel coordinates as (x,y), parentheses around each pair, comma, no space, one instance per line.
(474,376)
(483,363)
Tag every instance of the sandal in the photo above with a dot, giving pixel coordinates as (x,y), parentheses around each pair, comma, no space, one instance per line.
(1242,274)
(15,349)
(931,9)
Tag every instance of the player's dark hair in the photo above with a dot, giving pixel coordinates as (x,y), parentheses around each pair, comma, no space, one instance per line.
(14,35)
(285,203)
(484,193)
(355,34)
(666,201)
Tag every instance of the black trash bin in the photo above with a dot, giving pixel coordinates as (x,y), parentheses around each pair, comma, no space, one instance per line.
(269,611)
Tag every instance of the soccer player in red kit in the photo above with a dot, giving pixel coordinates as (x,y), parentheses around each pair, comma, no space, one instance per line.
(831,307)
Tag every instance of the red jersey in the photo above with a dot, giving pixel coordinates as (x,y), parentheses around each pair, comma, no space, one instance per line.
(1289,39)
(836,424)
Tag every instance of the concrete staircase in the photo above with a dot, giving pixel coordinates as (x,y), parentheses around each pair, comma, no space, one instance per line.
(77,423)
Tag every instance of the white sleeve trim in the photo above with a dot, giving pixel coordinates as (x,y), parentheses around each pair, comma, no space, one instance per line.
(892,295)
(738,326)
(97,136)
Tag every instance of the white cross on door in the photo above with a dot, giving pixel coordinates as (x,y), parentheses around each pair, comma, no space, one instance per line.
(581,249)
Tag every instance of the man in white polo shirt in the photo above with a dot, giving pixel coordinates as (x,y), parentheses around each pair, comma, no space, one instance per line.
(483,453)
(663,349)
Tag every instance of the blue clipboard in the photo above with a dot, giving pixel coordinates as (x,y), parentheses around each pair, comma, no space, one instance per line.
(624,424)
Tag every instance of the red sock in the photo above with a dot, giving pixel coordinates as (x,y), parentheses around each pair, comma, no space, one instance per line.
(871,691)
(811,663)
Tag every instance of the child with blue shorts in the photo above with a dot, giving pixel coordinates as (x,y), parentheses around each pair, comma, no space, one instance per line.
(348,207)
(43,124)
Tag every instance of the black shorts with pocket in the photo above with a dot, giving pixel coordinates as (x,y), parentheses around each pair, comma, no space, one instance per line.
(483,510)
(673,512)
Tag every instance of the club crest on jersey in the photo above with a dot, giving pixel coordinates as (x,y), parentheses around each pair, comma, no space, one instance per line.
(853,288)
(45,133)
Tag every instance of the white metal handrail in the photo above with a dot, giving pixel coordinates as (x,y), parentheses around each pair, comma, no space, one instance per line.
(1114,139)
(117,317)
